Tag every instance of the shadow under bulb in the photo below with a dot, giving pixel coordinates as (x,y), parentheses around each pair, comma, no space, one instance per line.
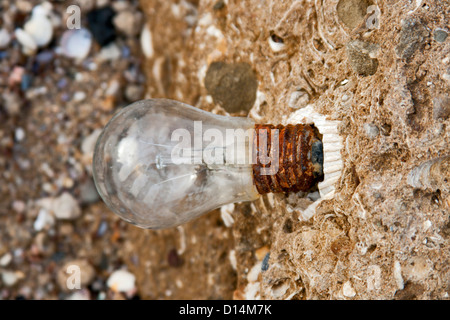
(160,163)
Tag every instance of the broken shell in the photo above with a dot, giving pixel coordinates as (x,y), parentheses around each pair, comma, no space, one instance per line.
(332,161)
(76,43)
(432,174)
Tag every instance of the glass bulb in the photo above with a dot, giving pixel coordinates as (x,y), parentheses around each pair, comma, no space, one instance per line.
(160,163)
(149,164)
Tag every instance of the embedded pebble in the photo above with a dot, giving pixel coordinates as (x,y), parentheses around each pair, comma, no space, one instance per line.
(233,86)
(347,290)
(352,12)
(372,130)
(298,99)
(361,57)
(121,281)
(440,35)
(441,107)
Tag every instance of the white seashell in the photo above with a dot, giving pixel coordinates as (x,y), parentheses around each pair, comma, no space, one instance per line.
(29,46)
(40,28)
(121,281)
(147,42)
(332,158)
(432,174)
(226,213)
(76,43)
(276,46)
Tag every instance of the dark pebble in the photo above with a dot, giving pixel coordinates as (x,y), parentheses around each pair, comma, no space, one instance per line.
(265,262)
(359,57)
(233,86)
(174,259)
(100,24)
(412,37)
(440,35)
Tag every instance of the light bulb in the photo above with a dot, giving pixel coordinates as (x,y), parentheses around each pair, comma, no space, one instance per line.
(160,163)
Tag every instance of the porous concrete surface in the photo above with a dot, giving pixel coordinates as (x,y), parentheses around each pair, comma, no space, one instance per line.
(376,66)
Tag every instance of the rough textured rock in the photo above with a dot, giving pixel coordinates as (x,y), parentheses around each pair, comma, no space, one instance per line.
(379,238)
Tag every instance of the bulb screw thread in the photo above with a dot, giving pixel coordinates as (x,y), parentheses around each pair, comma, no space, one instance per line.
(286,158)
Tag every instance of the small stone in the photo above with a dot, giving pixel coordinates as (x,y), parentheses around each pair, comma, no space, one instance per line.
(23,6)
(233,86)
(372,130)
(128,22)
(412,36)
(441,107)
(11,103)
(121,281)
(44,220)
(6,259)
(440,35)
(79,96)
(19,134)
(360,55)
(9,278)
(110,52)
(67,271)
(348,290)
(18,206)
(261,252)
(352,12)
(100,23)
(134,92)
(76,43)
(88,192)
(16,75)
(66,207)
(5,38)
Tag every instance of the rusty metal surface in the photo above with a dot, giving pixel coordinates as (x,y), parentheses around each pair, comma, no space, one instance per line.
(295,169)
